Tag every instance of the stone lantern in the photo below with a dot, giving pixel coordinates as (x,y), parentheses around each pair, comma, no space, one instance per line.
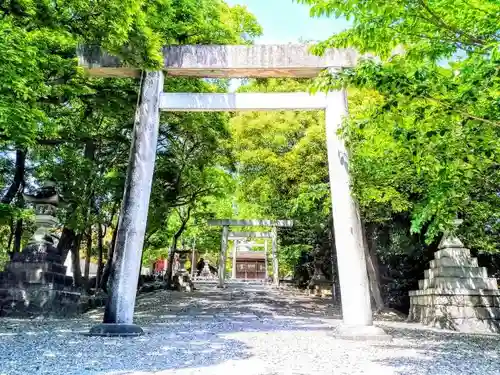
(319,285)
(181,278)
(42,245)
(34,282)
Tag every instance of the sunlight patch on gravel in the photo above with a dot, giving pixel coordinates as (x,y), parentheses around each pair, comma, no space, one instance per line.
(261,332)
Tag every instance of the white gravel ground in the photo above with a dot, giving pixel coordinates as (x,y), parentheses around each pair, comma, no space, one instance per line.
(250,331)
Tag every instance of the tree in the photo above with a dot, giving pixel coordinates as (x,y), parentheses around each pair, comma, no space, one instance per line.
(282,172)
(76,129)
(425,143)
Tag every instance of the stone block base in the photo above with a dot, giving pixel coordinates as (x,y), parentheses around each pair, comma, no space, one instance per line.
(116,330)
(183,283)
(465,319)
(320,290)
(362,333)
(455,297)
(36,300)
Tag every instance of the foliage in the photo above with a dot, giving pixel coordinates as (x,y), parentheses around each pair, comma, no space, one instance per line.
(76,129)
(282,169)
(427,139)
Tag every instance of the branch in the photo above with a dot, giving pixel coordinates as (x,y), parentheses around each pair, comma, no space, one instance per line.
(451,28)
(466,114)
(184,221)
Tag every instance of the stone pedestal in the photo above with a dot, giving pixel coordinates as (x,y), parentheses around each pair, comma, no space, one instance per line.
(456,293)
(319,285)
(320,288)
(34,283)
(181,279)
(206,273)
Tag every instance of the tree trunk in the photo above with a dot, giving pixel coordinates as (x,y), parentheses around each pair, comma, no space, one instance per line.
(100,250)
(18,183)
(109,262)
(75,261)
(139,281)
(11,234)
(18,234)
(170,260)
(171,254)
(89,154)
(87,256)
(372,266)
(66,242)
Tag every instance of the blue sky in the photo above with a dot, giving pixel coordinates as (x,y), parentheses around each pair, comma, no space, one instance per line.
(285,21)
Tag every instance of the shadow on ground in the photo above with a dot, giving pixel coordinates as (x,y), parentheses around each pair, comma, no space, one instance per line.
(210,330)
(182,331)
(258,301)
(419,350)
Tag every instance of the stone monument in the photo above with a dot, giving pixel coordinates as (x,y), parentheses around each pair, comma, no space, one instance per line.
(182,279)
(319,285)
(456,293)
(34,281)
(206,272)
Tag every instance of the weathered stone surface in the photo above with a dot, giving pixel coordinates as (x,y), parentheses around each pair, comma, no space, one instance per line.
(34,282)
(135,203)
(443,291)
(456,294)
(228,102)
(212,61)
(38,253)
(455,253)
(462,324)
(453,262)
(16,267)
(37,289)
(36,300)
(35,275)
(458,283)
(462,272)
(250,222)
(456,300)
(450,242)
(245,235)
(320,288)
(458,312)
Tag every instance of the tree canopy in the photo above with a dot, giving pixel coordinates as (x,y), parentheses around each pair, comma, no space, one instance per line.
(426,143)
(58,123)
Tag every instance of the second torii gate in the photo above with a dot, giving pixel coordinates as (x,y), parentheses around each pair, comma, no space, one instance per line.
(226,223)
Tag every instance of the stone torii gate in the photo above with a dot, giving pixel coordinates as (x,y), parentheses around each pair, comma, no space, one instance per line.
(238,236)
(232,62)
(226,223)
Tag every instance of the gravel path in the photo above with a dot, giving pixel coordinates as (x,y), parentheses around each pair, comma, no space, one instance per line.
(241,331)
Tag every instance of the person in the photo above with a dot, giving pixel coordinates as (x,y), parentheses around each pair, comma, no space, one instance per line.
(200,266)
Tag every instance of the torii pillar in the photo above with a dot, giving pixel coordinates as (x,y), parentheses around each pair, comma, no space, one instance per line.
(235,254)
(235,62)
(222,256)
